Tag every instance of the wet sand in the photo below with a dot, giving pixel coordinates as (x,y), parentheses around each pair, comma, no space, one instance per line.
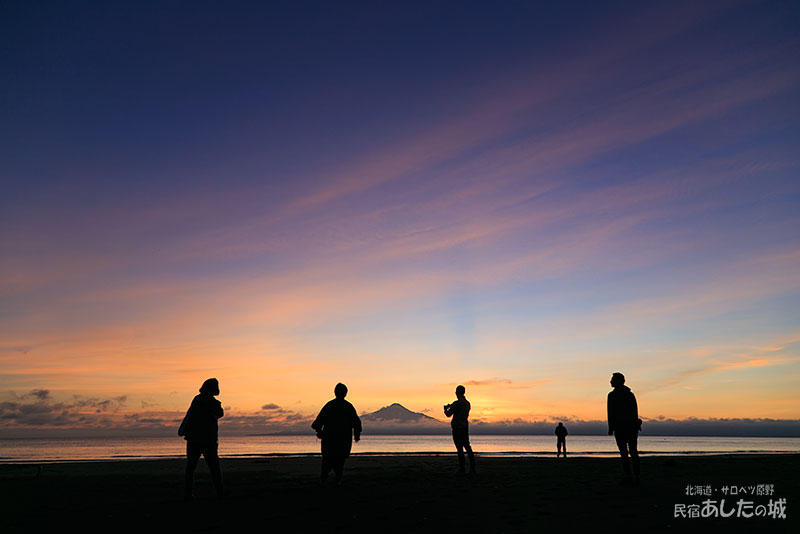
(395,494)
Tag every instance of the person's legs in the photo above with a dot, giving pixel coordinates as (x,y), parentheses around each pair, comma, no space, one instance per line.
(558,446)
(338,468)
(632,445)
(458,439)
(470,454)
(461,459)
(327,462)
(622,445)
(210,453)
(193,452)
(325,469)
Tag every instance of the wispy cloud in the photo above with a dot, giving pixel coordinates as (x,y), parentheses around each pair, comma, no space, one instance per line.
(711,360)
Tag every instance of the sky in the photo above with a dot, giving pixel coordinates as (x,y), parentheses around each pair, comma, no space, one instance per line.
(519,197)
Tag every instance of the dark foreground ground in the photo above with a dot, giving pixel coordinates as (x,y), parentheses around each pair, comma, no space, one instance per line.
(398,494)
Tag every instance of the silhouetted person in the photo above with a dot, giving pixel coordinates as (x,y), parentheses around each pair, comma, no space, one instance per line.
(200,430)
(459,411)
(337,425)
(561,439)
(624,424)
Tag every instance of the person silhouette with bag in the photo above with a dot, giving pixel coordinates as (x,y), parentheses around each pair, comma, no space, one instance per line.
(200,430)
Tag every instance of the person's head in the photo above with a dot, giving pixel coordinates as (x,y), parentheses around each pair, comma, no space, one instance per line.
(617,379)
(340,391)
(210,387)
(460,391)
(560,424)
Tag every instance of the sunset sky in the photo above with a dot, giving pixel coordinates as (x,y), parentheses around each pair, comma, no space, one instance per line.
(520,197)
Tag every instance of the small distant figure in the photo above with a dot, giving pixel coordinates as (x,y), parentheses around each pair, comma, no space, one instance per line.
(624,424)
(200,430)
(459,411)
(337,425)
(561,439)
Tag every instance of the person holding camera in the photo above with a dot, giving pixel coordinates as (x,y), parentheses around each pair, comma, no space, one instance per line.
(459,412)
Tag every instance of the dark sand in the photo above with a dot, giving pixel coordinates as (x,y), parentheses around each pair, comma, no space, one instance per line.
(392,494)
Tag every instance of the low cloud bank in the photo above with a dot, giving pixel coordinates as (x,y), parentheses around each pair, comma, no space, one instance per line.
(37,414)
(38,409)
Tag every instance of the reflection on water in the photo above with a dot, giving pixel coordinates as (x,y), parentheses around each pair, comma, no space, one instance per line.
(48,449)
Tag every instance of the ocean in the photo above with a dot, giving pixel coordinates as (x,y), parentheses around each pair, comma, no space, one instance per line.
(33,450)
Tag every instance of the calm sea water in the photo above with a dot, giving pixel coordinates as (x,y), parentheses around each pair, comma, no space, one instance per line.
(76,449)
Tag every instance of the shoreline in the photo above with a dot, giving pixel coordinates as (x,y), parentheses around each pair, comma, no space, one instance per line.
(50,450)
(395,494)
(416,454)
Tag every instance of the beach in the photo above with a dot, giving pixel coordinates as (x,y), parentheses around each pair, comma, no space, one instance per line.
(405,494)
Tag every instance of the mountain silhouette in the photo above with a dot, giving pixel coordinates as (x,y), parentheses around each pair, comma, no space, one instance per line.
(397,413)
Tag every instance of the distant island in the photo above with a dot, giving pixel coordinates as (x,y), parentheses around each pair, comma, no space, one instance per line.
(397,419)
(397,413)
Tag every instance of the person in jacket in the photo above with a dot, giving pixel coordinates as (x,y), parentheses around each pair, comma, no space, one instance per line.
(561,439)
(337,425)
(624,424)
(200,431)
(459,411)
